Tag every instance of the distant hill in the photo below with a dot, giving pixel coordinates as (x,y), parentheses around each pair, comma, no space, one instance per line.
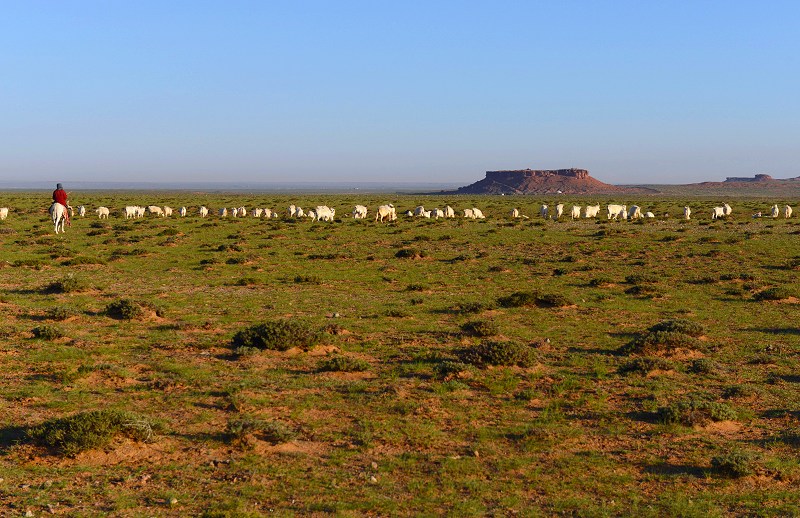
(557,181)
(758,185)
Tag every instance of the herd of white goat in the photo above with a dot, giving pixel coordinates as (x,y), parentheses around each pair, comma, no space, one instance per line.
(388,212)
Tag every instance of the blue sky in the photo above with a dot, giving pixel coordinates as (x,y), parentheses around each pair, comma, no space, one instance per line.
(636,92)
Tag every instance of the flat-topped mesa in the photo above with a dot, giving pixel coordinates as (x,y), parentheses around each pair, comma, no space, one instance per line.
(756,178)
(537,173)
(542,181)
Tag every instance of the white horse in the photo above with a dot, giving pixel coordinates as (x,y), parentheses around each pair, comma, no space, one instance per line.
(59,214)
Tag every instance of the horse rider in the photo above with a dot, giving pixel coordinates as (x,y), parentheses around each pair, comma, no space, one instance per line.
(60,196)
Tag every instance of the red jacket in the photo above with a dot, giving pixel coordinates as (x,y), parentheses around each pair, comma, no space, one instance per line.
(60,196)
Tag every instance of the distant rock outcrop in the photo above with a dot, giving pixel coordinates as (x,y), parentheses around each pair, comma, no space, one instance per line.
(533,181)
(756,178)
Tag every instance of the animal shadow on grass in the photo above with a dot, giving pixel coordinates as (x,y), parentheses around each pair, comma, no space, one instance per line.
(665,468)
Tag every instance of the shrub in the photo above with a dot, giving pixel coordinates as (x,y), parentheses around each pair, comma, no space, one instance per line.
(500,353)
(473,307)
(409,253)
(679,325)
(734,464)
(397,313)
(774,293)
(277,432)
(553,300)
(695,411)
(47,332)
(239,430)
(600,281)
(339,363)
(481,328)
(534,298)
(644,290)
(67,284)
(416,287)
(449,369)
(738,391)
(660,341)
(519,299)
(666,336)
(307,279)
(246,281)
(60,313)
(87,430)
(75,261)
(278,335)
(704,366)
(124,309)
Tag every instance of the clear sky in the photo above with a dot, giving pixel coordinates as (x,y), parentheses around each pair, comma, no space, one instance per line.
(232,90)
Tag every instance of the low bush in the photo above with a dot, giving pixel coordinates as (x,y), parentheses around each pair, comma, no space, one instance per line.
(60,313)
(397,313)
(240,430)
(449,369)
(499,353)
(534,298)
(78,260)
(667,336)
(87,430)
(307,279)
(553,300)
(124,309)
(278,335)
(473,307)
(519,299)
(410,253)
(695,411)
(47,332)
(246,281)
(734,464)
(67,284)
(340,363)
(679,325)
(481,328)
(641,278)
(600,281)
(660,341)
(774,293)
(735,391)
(705,366)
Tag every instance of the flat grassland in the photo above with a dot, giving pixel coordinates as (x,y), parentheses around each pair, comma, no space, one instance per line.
(458,367)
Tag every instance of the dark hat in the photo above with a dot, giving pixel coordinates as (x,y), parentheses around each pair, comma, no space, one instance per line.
(58,186)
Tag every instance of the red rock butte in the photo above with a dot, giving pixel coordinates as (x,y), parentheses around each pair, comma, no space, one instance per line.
(542,181)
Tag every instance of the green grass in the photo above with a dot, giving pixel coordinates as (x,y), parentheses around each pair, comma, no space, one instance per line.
(468,367)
